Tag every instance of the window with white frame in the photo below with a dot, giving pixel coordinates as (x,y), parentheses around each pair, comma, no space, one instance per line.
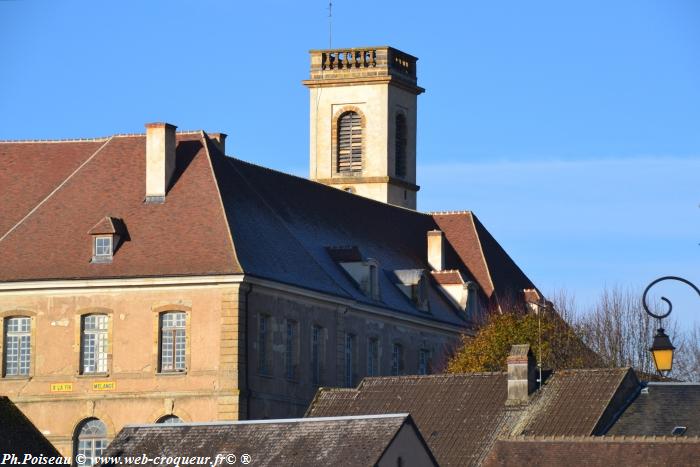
(291,351)
(373,356)
(90,441)
(17,348)
(94,344)
(397,360)
(173,340)
(424,363)
(350,359)
(103,248)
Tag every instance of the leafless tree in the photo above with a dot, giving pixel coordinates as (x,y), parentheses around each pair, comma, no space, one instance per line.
(619,330)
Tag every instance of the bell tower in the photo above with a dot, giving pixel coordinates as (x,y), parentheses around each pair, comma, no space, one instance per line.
(363,122)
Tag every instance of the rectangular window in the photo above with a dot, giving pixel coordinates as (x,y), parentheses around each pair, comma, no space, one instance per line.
(350,360)
(316,354)
(103,246)
(17,346)
(93,344)
(397,360)
(373,357)
(173,341)
(263,350)
(291,354)
(424,363)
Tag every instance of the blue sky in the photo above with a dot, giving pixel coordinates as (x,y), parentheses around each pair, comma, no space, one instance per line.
(572,129)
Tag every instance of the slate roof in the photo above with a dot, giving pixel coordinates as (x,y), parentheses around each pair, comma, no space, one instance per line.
(221,216)
(660,407)
(462,415)
(19,436)
(595,451)
(458,415)
(351,441)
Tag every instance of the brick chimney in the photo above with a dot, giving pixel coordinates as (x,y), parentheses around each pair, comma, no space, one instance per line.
(522,374)
(160,160)
(436,250)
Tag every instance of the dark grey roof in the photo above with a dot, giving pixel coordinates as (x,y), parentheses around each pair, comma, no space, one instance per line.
(351,441)
(18,435)
(659,408)
(285,228)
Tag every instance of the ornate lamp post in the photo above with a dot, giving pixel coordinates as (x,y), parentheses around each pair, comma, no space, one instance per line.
(662,348)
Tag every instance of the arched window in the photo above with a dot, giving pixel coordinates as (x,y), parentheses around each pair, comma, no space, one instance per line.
(169,420)
(90,441)
(400,146)
(349,143)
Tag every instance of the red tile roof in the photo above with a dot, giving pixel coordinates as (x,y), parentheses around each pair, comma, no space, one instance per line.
(497,274)
(595,451)
(186,235)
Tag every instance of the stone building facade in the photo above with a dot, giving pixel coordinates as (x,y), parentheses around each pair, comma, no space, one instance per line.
(151,278)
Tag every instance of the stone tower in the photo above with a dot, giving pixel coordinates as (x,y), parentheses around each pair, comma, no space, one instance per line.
(363,122)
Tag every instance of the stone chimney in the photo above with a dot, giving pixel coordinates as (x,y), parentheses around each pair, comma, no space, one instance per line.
(219,140)
(522,374)
(436,250)
(160,160)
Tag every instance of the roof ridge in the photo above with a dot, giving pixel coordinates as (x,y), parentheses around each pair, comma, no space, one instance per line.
(448,213)
(82,140)
(275,421)
(60,185)
(308,180)
(483,256)
(433,376)
(205,143)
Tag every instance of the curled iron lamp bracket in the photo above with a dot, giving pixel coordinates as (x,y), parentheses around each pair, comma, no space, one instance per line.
(666,300)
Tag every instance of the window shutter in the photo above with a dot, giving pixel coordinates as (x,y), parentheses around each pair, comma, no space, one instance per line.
(349,143)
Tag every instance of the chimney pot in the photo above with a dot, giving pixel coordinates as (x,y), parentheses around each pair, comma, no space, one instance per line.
(522,374)
(160,160)
(436,250)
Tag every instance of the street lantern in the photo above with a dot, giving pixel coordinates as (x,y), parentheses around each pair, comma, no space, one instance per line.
(662,351)
(661,348)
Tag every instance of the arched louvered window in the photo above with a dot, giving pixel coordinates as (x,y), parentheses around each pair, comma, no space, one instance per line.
(400,146)
(349,142)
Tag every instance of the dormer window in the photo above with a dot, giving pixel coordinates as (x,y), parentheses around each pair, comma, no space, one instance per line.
(364,272)
(414,285)
(103,248)
(106,235)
